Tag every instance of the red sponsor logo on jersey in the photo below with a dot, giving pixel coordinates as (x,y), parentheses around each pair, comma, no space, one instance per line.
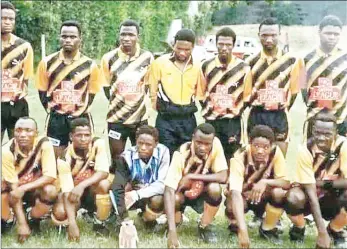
(129,86)
(222,100)
(9,86)
(325,93)
(272,95)
(67,96)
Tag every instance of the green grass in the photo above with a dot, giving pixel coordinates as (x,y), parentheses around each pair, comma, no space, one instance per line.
(187,232)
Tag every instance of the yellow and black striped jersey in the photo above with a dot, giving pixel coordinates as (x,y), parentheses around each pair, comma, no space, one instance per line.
(72,165)
(326,82)
(39,161)
(224,94)
(313,164)
(68,85)
(17,62)
(244,172)
(125,77)
(273,81)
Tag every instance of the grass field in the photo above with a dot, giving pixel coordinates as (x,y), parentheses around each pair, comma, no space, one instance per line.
(188,231)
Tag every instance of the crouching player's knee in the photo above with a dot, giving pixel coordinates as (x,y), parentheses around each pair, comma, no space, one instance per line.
(154,208)
(214,194)
(295,201)
(278,197)
(47,197)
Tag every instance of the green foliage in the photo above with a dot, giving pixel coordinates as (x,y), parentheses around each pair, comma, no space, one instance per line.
(100,22)
(254,12)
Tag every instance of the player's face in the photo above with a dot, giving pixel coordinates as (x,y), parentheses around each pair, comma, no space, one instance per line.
(183,50)
(202,143)
(81,137)
(268,35)
(145,145)
(324,134)
(260,149)
(225,47)
(128,38)
(329,36)
(25,132)
(8,20)
(70,39)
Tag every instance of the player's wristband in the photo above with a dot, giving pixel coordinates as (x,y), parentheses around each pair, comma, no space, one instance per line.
(328,185)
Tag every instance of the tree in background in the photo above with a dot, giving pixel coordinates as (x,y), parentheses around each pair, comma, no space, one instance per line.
(100,22)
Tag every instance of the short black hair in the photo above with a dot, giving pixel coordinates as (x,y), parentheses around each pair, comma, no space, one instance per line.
(325,115)
(262,131)
(226,31)
(330,20)
(28,118)
(129,23)
(7,5)
(73,23)
(147,129)
(270,21)
(185,35)
(205,128)
(78,122)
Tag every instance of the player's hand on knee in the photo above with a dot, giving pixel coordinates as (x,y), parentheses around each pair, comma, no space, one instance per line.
(76,194)
(73,232)
(130,198)
(185,183)
(257,191)
(243,239)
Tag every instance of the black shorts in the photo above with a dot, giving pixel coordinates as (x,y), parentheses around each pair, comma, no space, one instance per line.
(197,204)
(118,131)
(277,120)
(11,113)
(58,127)
(175,130)
(226,128)
(329,203)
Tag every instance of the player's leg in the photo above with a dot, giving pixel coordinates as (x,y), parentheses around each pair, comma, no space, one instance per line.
(274,209)
(5,118)
(233,227)
(7,217)
(117,137)
(333,208)
(57,130)
(213,199)
(103,205)
(19,109)
(167,131)
(184,129)
(44,201)
(154,208)
(296,205)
